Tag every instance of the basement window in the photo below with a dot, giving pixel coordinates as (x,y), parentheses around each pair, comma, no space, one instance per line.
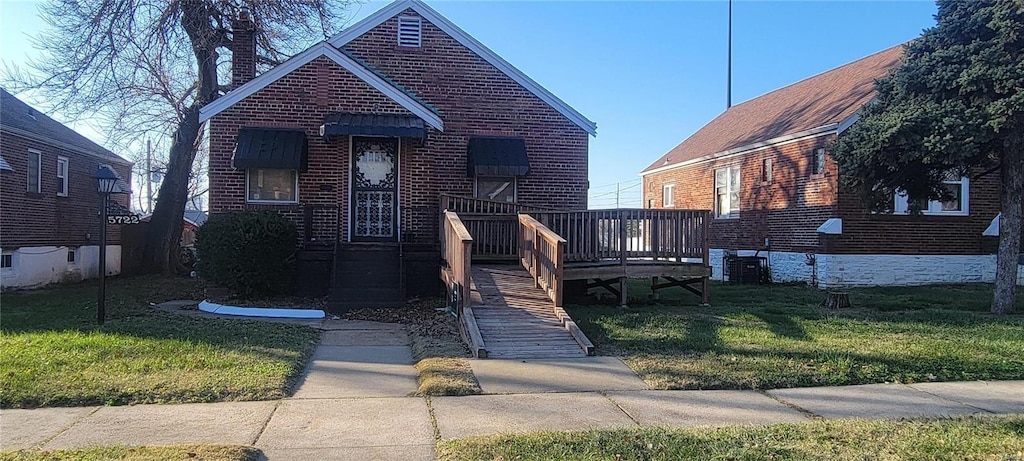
(410,31)
(6,260)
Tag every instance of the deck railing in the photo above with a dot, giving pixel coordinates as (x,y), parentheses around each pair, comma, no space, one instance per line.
(492,224)
(624,234)
(542,254)
(458,247)
(472,205)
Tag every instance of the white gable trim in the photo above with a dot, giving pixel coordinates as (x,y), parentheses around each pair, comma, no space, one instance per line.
(467,41)
(315,51)
(742,150)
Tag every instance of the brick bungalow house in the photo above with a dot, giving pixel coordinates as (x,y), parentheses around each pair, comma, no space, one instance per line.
(765,169)
(356,137)
(49,208)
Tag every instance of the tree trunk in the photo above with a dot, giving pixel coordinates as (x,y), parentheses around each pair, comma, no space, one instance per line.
(163,238)
(1012,179)
(163,235)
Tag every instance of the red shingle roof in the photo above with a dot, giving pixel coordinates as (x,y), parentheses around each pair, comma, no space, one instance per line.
(821,100)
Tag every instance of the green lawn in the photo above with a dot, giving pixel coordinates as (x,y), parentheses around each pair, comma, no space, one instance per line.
(997,438)
(183,452)
(762,337)
(52,353)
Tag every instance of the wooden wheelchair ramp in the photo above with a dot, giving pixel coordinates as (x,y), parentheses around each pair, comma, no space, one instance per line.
(516,319)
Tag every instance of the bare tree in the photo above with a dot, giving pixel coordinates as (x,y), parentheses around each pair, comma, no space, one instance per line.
(149,66)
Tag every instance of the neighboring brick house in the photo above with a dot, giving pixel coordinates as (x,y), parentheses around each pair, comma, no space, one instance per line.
(765,169)
(425,108)
(49,208)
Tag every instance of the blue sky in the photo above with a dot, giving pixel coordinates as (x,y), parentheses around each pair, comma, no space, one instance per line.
(649,73)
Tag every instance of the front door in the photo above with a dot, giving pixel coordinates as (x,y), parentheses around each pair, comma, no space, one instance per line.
(374,189)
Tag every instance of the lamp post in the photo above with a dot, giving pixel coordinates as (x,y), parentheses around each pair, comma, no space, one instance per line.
(106,184)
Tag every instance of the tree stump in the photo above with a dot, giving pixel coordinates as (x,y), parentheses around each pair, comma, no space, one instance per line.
(837,300)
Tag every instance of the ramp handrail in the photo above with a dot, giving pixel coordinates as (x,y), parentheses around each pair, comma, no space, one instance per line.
(542,254)
(458,247)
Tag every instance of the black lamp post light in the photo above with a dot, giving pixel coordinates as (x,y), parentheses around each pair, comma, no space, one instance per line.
(107,182)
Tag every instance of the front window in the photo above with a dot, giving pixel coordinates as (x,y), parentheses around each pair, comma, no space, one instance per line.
(958,205)
(272,186)
(502,189)
(62,176)
(727,192)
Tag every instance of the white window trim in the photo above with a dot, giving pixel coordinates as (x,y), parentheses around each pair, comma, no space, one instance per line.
(815,164)
(739,180)
(668,195)
(515,186)
(767,170)
(271,202)
(67,172)
(901,206)
(39,172)
(73,250)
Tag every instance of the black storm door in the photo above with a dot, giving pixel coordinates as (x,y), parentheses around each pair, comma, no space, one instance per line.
(374,189)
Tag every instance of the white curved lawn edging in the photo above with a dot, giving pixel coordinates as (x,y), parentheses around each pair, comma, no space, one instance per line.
(215,308)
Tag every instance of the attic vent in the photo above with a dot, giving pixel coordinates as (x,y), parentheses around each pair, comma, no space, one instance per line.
(410,31)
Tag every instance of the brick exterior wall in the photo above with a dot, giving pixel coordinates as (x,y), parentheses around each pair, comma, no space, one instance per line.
(44,218)
(473,98)
(789,209)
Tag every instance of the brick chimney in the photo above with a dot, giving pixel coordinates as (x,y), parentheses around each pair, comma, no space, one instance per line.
(243,49)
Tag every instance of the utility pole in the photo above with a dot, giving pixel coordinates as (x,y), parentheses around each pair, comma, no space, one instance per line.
(618,187)
(728,77)
(149,176)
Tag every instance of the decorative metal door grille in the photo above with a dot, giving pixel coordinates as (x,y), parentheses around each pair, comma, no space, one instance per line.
(375,188)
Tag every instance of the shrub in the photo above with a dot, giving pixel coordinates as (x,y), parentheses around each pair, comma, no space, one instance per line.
(249,252)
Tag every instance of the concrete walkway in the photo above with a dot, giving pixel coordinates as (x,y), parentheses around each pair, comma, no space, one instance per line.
(354,402)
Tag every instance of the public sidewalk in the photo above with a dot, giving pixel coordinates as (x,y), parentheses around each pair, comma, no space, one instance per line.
(354,402)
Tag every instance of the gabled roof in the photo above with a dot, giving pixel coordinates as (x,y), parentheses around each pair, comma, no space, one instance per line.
(20,118)
(361,71)
(469,42)
(818,104)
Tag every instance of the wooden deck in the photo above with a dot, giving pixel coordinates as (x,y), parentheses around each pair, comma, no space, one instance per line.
(516,319)
(505,311)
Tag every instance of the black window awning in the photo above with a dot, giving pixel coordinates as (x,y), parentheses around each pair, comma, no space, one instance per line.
(497,157)
(271,149)
(399,126)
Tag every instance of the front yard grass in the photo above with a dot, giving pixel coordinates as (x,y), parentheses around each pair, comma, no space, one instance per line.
(52,352)
(764,337)
(979,438)
(117,453)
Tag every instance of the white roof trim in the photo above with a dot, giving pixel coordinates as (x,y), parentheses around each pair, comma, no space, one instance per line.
(467,41)
(846,124)
(789,138)
(63,145)
(315,51)
(993,227)
(831,226)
